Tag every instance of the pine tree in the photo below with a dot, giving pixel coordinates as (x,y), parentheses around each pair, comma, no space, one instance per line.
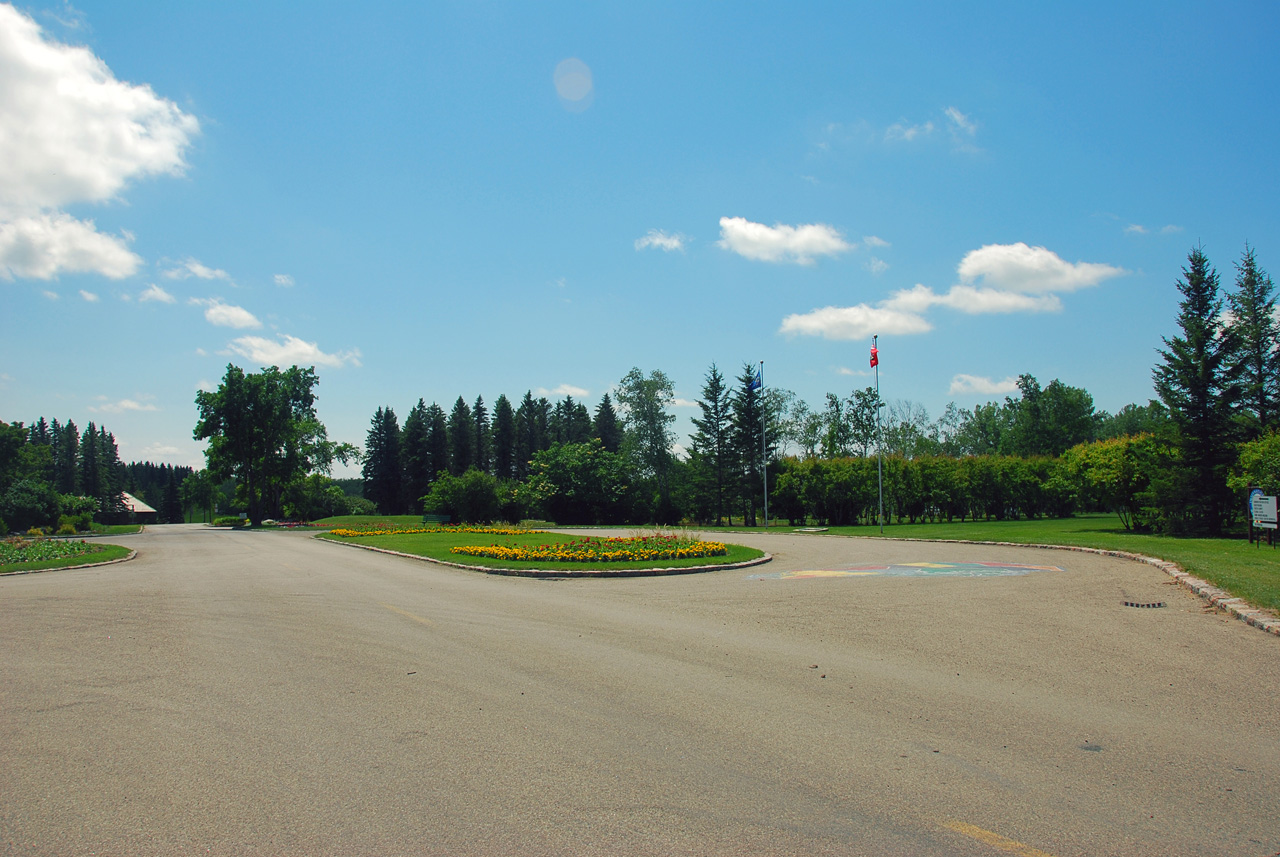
(415,457)
(504,439)
(437,441)
(606,427)
(745,439)
(66,456)
(711,438)
(1201,388)
(462,441)
(382,470)
(484,440)
(1253,317)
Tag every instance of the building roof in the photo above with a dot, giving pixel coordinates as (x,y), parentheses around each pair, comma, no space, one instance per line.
(133,504)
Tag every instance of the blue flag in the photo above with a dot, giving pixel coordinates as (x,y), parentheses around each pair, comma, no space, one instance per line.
(758,381)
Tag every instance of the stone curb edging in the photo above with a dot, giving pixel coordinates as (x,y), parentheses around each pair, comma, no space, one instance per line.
(132,553)
(562,574)
(1219,598)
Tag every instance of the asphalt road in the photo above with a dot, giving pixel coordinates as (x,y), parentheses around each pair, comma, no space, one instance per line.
(263,693)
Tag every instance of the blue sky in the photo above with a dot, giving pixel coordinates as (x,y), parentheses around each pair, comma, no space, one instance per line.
(428,200)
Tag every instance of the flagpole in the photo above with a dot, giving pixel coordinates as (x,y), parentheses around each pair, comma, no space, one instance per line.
(764,460)
(875,362)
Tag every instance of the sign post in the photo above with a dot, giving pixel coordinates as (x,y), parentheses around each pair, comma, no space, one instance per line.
(1262,515)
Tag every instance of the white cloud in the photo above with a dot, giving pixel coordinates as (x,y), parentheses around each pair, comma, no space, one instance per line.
(121,406)
(1135,229)
(564,390)
(875,241)
(53,296)
(73,134)
(1171,229)
(855,322)
(89,296)
(574,84)
(154,451)
(960,122)
(962,384)
(877,266)
(283,280)
(1020,268)
(41,246)
(781,243)
(288,351)
(968,299)
(857,373)
(678,402)
(907,133)
(226,315)
(193,268)
(661,240)
(155,293)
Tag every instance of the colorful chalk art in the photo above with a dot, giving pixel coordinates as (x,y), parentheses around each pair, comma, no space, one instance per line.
(912,569)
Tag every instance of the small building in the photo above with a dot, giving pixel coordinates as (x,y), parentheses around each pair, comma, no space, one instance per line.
(132,511)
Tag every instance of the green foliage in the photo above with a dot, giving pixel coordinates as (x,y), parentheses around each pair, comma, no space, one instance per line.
(263,432)
(1121,473)
(472,498)
(578,483)
(647,435)
(382,465)
(318,496)
(1258,464)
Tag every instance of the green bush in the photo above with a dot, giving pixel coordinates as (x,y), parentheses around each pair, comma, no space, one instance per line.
(229,521)
(67,529)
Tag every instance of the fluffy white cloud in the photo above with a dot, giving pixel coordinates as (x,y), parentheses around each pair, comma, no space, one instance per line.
(962,384)
(874,241)
(661,240)
(72,134)
(193,268)
(226,315)
(1020,268)
(89,296)
(854,322)
(283,280)
(289,351)
(155,293)
(781,243)
(564,390)
(41,246)
(973,301)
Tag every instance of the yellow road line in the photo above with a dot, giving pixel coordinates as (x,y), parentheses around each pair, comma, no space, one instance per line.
(406,614)
(995,840)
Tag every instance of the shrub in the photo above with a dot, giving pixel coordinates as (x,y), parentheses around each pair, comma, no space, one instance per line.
(229,521)
(67,529)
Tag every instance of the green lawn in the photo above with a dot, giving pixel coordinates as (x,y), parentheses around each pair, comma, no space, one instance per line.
(55,553)
(1245,570)
(436,545)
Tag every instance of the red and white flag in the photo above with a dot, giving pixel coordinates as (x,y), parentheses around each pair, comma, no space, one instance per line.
(875,357)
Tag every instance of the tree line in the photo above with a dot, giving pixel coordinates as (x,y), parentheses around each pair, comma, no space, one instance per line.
(53,476)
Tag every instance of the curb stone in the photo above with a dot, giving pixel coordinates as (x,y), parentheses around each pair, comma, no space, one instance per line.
(563,574)
(1216,597)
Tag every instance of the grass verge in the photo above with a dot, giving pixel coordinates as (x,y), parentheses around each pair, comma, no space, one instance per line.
(1245,570)
(437,545)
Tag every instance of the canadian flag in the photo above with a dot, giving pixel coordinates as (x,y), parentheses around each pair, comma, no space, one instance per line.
(875,357)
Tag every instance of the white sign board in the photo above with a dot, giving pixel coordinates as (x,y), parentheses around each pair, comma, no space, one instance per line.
(1263,509)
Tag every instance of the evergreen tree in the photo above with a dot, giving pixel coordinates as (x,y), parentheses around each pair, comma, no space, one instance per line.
(1253,318)
(90,476)
(711,438)
(747,407)
(171,510)
(504,439)
(532,420)
(484,441)
(437,441)
(415,457)
(382,467)
(66,454)
(462,441)
(606,426)
(1200,386)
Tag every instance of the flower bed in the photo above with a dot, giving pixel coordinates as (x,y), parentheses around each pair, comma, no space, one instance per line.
(635,549)
(19,550)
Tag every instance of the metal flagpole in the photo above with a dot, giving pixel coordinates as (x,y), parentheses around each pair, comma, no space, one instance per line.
(764,460)
(875,363)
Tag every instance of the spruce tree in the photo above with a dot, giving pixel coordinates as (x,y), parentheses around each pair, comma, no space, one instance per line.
(711,438)
(437,441)
(484,442)
(462,442)
(1253,318)
(1200,386)
(382,471)
(415,457)
(504,439)
(745,439)
(606,427)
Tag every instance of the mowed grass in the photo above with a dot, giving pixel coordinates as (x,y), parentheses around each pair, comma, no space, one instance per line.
(93,554)
(1243,569)
(437,544)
